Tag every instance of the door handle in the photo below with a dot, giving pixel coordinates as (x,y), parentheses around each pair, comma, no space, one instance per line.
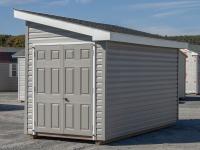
(66,99)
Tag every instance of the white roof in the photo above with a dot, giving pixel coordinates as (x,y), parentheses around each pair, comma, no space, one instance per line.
(97,34)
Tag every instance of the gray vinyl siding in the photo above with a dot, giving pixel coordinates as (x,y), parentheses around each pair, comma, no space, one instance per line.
(8,84)
(39,34)
(141,88)
(21,79)
(181,75)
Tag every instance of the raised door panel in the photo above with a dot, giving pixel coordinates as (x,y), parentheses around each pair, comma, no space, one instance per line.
(40,80)
(69,116)
(85,80)
(69,80)
(85,117)
(55,116)
(41,115)
(55,80)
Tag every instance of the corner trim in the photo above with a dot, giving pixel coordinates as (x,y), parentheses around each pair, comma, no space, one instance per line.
(26,82)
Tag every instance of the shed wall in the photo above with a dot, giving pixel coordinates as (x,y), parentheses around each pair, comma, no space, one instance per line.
(181,74)
(39,34)
(141,88)
(21,79)
(8,84)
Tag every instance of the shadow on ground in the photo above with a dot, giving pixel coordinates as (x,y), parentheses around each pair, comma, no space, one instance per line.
(10,107)
(185,131)
(192,98)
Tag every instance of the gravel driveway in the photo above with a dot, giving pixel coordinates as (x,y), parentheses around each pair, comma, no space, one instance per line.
(184,135)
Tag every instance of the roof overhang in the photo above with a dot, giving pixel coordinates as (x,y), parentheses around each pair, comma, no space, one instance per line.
(19,54)
(97,34)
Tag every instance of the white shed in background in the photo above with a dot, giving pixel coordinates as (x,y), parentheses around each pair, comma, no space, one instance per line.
(192,69)
(21,74)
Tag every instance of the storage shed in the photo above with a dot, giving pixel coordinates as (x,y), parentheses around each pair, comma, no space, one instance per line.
(94,81)
(192,69)
(20,56)
(8,69)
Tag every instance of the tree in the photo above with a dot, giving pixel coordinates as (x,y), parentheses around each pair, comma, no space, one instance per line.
(193,39)
(12,41)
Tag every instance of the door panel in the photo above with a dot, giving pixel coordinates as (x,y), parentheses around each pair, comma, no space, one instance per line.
(63,99)
(55,80)
(69,82)
(49,85)
(78,77)
(69,116)
(85,85)
(85,121)
(55,116)
(41,80)
(41,115)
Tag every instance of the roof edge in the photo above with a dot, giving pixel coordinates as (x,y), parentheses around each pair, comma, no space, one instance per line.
(18,56)
(95,33)
(147,41)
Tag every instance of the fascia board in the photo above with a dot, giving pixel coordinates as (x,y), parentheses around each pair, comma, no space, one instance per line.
(96,34)
(120,37)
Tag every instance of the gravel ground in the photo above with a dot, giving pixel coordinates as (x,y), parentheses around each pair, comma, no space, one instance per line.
(184,135)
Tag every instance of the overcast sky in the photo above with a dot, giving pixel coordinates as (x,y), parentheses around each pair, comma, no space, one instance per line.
(165,17)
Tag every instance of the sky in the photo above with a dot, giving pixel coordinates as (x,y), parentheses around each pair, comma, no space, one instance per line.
(164,17)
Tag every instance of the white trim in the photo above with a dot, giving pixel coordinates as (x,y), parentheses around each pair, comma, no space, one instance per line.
(120,37)
(194,54)
(97,34)
(94,93)
(33,90)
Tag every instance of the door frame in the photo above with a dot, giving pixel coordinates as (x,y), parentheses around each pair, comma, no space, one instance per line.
(93,82)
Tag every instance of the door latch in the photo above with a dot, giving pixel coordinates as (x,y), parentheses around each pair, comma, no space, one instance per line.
(66,99)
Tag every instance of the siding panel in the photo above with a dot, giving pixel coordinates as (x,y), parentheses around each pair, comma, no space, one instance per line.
(100,91)
(8,84)
(141,88)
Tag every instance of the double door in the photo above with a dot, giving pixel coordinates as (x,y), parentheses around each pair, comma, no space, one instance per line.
(63,89)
